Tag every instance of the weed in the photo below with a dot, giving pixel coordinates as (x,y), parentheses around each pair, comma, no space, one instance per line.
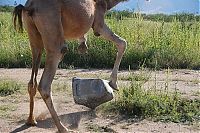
(141,76)
(8,87)
(164,44)
(4,110)
(158,105)
(97,128)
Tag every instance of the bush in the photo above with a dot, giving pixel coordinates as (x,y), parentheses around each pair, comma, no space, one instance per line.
(158,105)
(8,87)
(6,8)
(151,44)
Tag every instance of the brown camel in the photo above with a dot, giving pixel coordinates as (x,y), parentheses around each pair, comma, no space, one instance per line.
(49,23)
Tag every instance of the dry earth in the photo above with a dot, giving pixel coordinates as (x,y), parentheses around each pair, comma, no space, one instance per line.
(80,118)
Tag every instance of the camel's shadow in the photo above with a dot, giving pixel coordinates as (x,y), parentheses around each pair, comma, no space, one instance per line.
(71,119)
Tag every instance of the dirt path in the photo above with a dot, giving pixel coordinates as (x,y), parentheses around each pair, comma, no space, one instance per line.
(16,107)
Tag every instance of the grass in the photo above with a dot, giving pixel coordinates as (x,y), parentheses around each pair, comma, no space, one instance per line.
(153,104)
(142,75)
(8,87)
(6,109)
(163,44)
(96,128)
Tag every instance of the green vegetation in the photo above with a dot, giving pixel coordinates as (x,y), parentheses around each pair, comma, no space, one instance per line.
(158,105)
(150,43)
(5,110)
(6,8)
(96,128)
(8,87)
(153,17)
(143,76)
(14,47)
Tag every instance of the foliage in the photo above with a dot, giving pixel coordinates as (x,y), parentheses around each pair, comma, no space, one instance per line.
(158,105)
(6,8)
(169,18)
(8,87)
(182,17)
(162,44)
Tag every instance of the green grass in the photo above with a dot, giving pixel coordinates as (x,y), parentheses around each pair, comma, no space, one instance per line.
(153,104)
(8,87)
(6,109)
(142,76)
(96,128)
(6,8)
(162,44)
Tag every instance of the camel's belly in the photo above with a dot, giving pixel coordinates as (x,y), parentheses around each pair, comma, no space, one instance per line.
(77,17)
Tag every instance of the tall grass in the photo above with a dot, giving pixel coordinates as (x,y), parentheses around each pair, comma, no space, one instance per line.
(174,44)
(14,49)
(135,102)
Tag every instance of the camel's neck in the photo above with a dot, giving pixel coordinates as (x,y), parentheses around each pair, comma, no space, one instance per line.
(112,3)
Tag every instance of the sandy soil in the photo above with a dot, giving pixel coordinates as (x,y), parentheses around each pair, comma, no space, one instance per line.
(81,118)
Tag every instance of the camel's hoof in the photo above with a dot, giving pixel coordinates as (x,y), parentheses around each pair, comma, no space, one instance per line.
(113,85)
(82,49)
(31,122)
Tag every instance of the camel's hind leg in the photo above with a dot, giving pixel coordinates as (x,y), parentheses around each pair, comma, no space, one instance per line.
(32,85)
(121,46)
(53,39)
(82,48)
(36,48)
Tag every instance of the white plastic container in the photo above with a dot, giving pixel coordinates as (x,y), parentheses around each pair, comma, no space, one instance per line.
(91,92)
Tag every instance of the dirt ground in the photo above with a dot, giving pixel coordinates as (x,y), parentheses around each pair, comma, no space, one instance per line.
(16,107)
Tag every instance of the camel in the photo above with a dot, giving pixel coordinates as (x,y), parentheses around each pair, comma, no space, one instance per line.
(48,24)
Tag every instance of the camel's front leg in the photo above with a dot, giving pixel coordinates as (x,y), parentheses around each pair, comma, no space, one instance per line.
(121,46)
(82,48)
(52,60)
(55,50)
(51,32)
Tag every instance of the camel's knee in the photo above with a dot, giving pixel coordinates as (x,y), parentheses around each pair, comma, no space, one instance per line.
(32,89)
(83,45)
(82,48)
(44,92)
(121,45)
(97,29)
(97,34)
(64,49)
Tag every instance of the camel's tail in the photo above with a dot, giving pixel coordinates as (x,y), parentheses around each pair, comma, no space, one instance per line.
(17,16)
